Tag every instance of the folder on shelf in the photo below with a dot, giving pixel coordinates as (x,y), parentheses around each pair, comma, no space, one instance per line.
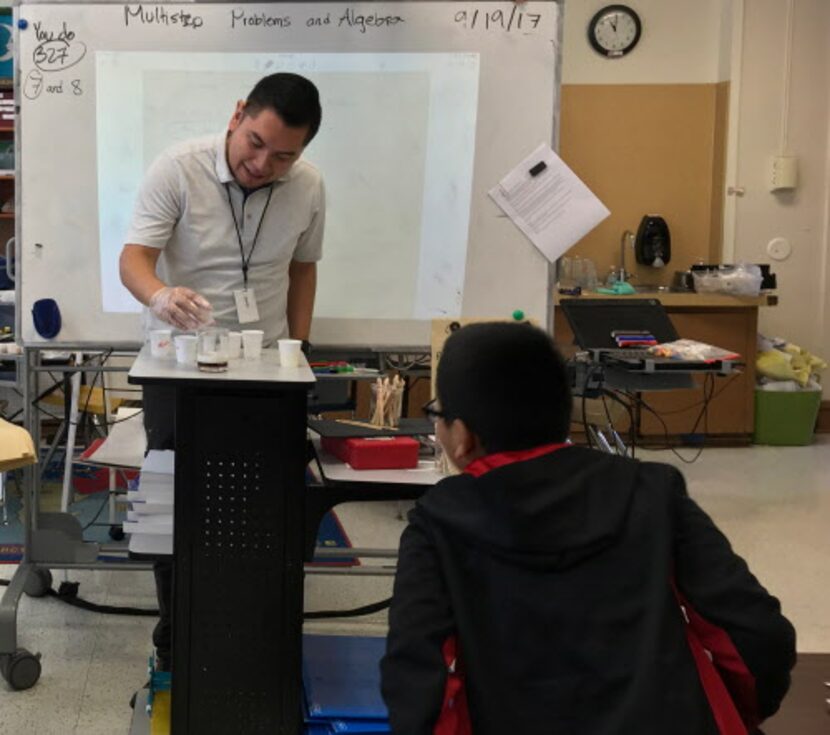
(143,507)
(125,445)
(150,519)
(342,680)
(155,525)
(16,447)
(158,462)
(151,544)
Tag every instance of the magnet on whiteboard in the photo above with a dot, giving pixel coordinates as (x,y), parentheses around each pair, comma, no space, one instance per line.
(779,249)
(47,318)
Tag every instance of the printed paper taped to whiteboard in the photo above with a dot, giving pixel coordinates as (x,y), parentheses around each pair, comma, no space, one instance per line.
(548,202)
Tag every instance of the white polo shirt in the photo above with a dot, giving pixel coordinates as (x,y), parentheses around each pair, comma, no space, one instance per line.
(183,209)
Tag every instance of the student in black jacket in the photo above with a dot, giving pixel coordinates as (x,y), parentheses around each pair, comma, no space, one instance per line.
(560,573)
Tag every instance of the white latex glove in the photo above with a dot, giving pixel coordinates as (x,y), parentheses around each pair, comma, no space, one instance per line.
(181,307)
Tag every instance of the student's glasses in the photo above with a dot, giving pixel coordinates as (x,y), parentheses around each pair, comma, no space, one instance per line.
(432,412)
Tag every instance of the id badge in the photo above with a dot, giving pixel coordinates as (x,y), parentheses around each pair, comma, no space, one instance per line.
(246,309)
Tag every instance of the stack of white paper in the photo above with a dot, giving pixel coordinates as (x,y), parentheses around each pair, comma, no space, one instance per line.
(150,518)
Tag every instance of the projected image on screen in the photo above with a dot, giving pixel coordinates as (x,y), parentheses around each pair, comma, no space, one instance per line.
(395,148)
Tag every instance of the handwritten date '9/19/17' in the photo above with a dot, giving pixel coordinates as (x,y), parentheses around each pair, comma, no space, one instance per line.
(515,20)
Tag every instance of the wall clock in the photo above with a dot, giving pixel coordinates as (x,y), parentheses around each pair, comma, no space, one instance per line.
(614,31)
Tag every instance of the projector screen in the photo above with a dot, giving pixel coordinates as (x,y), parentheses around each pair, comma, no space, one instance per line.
(393,245)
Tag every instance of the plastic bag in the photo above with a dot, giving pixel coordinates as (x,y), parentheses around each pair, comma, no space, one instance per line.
(788,361)
(787,386)
(779,365)
(743,279)
(802,357)
(689,349)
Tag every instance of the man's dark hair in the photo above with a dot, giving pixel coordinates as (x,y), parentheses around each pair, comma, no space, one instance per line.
(294,98)
(508,383)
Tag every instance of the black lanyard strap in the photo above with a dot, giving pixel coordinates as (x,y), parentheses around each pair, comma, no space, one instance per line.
(246,261)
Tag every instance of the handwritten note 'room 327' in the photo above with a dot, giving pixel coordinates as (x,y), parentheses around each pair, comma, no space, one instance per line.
(56,50)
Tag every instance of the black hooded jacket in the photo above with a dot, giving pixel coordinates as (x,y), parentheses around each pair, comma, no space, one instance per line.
(555,575)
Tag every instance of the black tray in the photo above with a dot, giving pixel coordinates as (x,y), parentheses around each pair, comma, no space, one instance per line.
(344,428)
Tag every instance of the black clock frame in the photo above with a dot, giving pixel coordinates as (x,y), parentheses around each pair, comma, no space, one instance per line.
(595,20)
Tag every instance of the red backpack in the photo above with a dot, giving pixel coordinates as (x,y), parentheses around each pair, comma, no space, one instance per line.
(725,678)
(455,715)
(715,658)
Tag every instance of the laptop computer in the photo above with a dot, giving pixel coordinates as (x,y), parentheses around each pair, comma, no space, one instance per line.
(600,326)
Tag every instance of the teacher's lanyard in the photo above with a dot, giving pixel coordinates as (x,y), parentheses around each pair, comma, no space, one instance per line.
(246,261)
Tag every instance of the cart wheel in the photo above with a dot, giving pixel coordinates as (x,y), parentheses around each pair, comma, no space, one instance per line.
(116,533)
(20,669)
(38,583)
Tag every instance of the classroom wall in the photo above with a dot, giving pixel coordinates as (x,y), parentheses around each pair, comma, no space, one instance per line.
(659,152)
(800,216)
(647,132)
(680,44)
(651,133)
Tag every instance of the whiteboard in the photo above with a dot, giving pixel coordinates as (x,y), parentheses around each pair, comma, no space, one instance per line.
(425,107)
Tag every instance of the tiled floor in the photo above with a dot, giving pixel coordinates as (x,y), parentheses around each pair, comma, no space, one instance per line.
(773,503)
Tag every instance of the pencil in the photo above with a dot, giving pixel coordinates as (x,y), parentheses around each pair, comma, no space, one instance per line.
(364,424)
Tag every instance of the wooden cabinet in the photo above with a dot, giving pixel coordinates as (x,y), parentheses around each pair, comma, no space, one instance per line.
(725,321)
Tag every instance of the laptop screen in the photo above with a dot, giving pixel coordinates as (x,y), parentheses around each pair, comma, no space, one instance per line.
(595,322)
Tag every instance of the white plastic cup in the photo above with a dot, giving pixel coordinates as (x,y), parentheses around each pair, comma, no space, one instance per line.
(289,352)
(161,343)
(252,343)
(234,345)
(186,348)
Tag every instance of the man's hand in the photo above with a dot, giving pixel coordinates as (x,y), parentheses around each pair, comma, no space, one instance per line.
(181,307)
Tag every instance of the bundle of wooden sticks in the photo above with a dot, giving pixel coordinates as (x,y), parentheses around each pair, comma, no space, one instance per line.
(388,397)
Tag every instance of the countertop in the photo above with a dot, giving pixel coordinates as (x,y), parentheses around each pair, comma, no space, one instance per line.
(688,299)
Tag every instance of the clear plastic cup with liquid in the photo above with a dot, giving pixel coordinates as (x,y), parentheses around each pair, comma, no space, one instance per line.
(212,351)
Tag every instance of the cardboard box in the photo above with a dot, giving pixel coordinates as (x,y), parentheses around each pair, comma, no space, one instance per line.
(375,453)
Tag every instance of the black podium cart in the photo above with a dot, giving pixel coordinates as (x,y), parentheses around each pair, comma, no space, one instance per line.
(238,544)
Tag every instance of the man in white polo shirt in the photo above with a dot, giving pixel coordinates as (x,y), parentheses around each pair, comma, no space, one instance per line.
(229,229)
(234,215)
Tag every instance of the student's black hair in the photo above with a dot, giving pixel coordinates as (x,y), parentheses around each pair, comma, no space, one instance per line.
(294,98)
(508,383)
